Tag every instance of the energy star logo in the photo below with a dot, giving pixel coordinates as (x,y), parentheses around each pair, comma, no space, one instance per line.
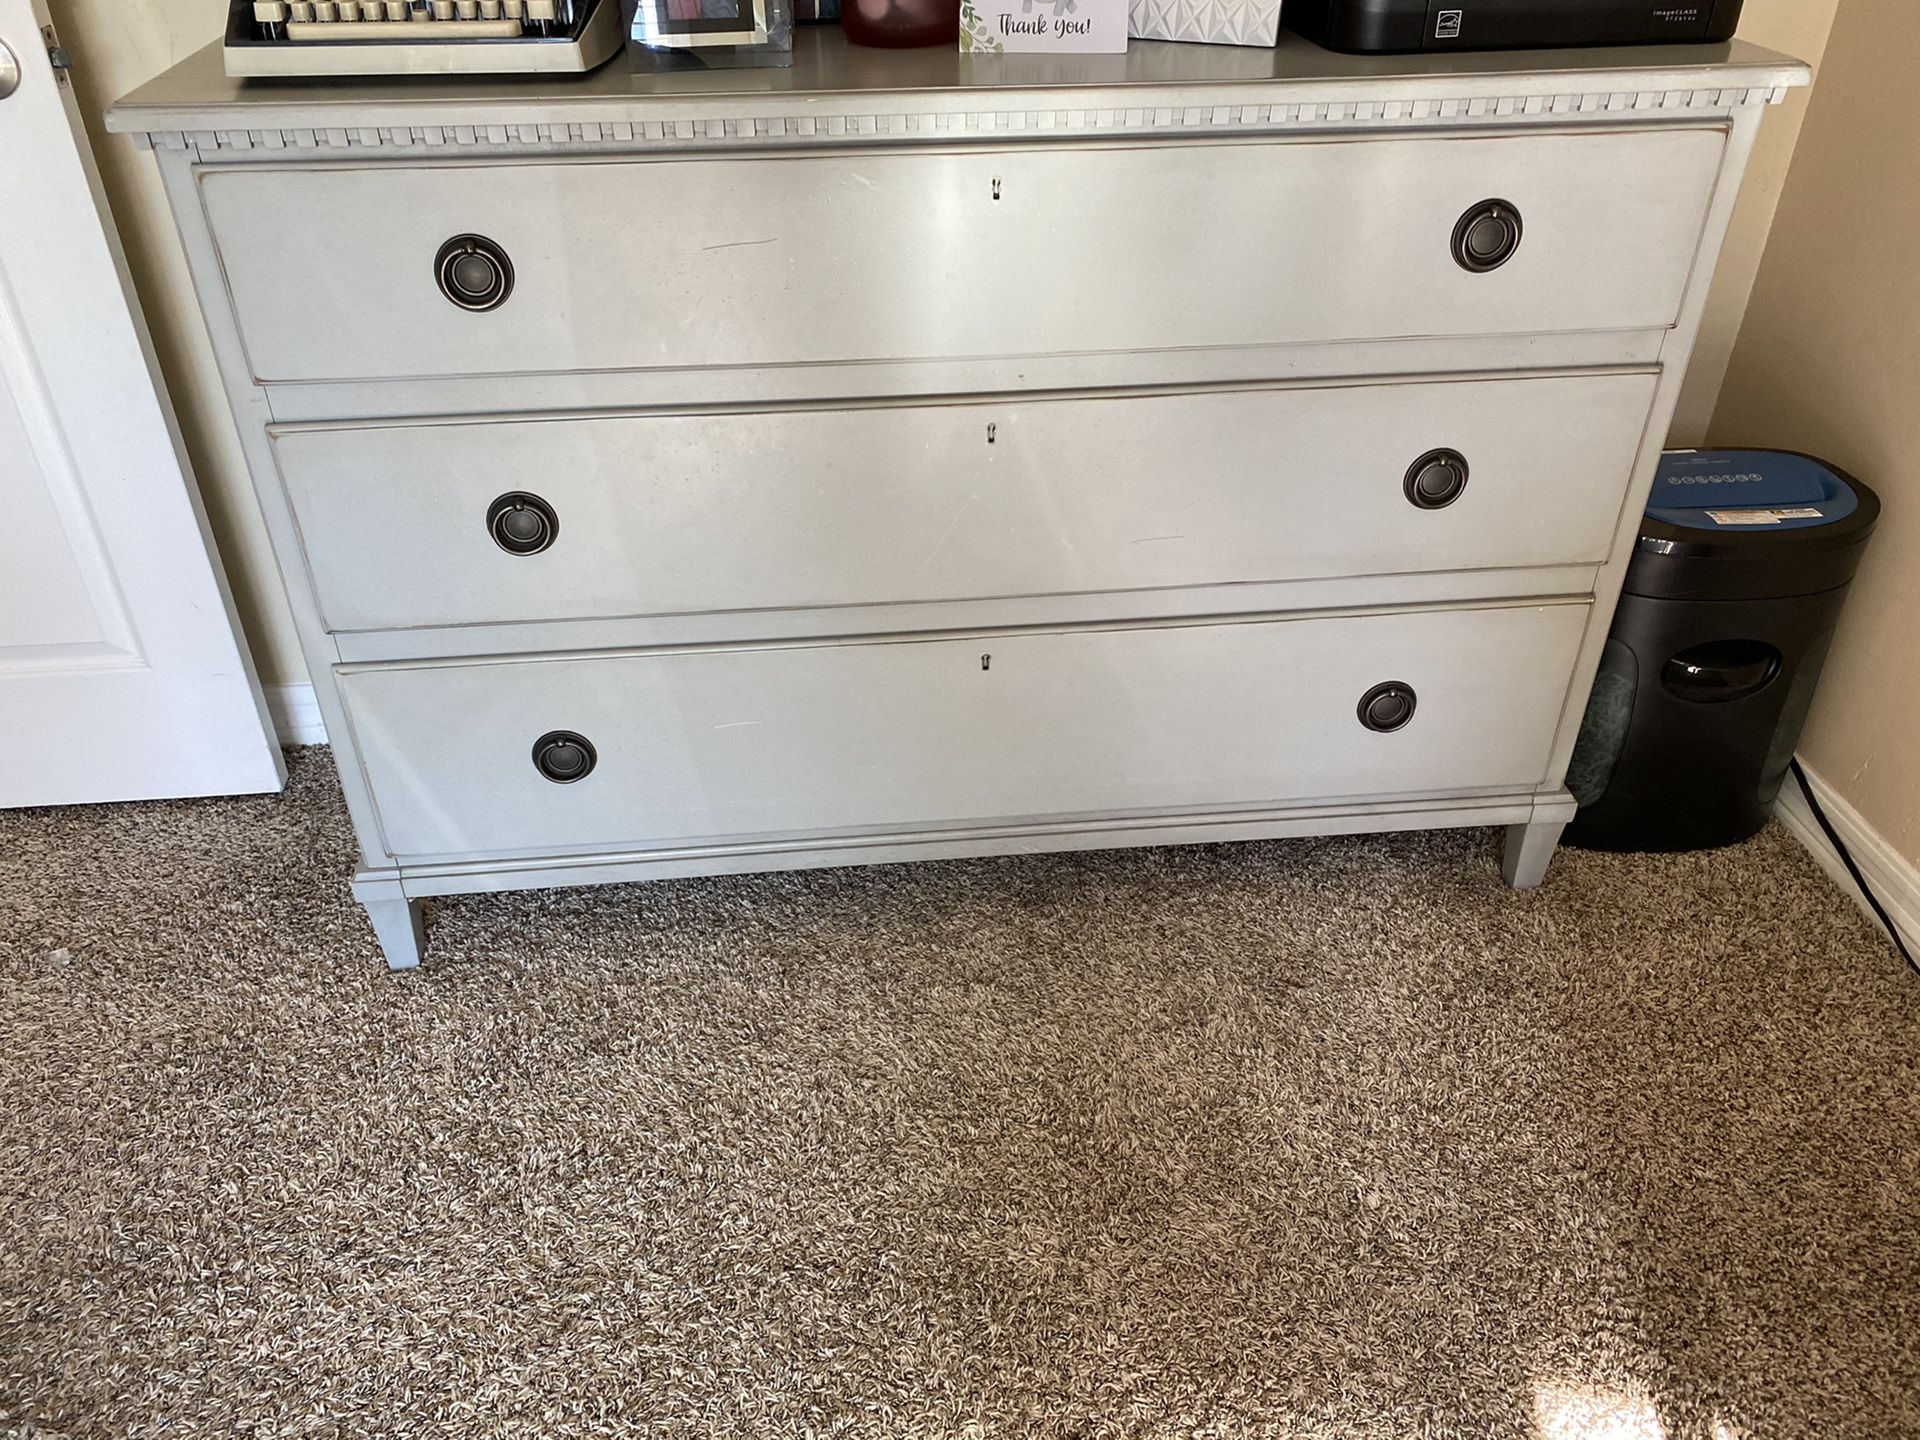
(1448,27)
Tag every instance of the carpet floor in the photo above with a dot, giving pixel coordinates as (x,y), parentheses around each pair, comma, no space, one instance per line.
(1325,1138)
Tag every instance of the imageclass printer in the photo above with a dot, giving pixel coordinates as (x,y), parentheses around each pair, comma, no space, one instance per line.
(1381,26)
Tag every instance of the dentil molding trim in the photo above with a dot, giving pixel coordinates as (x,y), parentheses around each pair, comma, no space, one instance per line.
(997,121)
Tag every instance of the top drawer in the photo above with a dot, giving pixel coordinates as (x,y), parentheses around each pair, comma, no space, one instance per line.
(915,254)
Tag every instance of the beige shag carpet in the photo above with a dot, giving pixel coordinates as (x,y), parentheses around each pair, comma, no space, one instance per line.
(1332,1138)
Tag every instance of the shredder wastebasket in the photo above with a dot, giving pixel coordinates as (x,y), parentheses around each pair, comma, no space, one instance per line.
(1735,586)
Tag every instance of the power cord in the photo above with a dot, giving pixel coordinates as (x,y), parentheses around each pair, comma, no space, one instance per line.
(1846,859)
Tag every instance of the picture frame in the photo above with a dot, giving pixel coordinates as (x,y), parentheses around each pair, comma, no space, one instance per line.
(690,24)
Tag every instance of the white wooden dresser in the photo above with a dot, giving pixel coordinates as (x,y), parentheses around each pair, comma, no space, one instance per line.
(903,456)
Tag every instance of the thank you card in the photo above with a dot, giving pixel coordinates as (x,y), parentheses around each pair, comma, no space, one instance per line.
(1076,26)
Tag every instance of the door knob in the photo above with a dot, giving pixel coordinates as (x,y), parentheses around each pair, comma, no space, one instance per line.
(9,71)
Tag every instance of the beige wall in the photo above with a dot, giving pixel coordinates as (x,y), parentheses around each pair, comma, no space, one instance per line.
(1798,28)
(118,44)
(1829,361)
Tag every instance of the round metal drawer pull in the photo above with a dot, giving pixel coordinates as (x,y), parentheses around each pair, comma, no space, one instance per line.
(1388,707)
(522,524)
(564,757)
(474,273)
(1437,479)
(1487,236)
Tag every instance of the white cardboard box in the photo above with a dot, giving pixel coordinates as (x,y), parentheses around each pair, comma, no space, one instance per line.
(1216,22)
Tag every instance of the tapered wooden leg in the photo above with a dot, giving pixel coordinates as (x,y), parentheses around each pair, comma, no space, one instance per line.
(1529,848)
(398,922)
(1529,851)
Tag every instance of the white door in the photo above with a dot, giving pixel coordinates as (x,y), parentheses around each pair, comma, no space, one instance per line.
(122,674)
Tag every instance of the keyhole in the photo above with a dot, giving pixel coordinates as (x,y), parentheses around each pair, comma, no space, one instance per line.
(992,429)
(996,187)
(986,662)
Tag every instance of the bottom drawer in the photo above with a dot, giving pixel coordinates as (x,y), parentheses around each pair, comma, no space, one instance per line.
(695,746)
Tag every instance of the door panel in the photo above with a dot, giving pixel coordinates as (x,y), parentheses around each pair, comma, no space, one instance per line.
(122,675)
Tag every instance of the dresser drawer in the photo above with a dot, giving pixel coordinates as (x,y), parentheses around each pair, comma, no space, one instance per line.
(669,514)
(1067,247)
(713,745)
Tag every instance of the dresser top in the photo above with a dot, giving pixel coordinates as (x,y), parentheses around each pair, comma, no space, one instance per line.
(831,77)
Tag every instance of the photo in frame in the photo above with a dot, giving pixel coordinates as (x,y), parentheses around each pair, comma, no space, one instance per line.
(688,24)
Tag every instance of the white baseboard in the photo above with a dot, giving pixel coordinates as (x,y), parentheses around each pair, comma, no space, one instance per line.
(296,715)
(1894,878)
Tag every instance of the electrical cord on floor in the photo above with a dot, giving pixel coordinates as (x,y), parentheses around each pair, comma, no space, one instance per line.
(1846,859)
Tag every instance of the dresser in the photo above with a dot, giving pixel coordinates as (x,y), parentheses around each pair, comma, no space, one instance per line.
(904,456)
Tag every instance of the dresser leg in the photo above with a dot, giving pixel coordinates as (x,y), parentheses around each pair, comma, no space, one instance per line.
(1529,850)
(398,922)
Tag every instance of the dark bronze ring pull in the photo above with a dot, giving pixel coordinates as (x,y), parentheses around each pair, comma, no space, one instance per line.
(1388,707)
(521,523)
(564,757)
(1487,236)
(1437,479)
(474,273)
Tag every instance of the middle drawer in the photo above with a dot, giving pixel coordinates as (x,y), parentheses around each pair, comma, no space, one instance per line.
(688,513)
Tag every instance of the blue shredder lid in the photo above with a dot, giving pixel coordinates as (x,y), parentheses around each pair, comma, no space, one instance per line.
(1735,491)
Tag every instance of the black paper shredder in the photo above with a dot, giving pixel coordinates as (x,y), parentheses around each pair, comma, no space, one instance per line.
(1731,599)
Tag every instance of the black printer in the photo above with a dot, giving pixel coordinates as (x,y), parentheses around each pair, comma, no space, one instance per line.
(1378,26)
